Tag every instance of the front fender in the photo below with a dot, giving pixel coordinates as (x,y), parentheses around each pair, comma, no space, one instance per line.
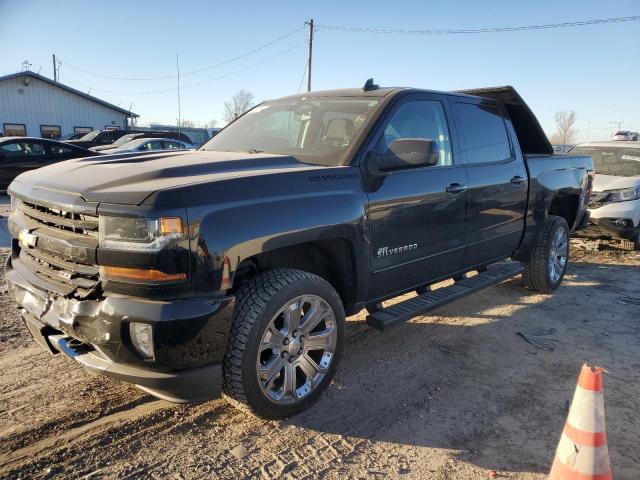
(222,238)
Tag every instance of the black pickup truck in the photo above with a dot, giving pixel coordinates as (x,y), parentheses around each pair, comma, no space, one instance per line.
(231,269)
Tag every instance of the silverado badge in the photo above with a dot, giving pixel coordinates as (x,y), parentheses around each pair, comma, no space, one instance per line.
(386,251)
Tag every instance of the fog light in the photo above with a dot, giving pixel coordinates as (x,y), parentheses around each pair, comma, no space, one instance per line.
(142,339)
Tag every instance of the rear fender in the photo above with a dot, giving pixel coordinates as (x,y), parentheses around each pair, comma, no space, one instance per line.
(547,187)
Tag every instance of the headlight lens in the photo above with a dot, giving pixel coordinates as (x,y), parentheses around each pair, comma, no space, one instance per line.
(15,203)
(139,234)
(624,194)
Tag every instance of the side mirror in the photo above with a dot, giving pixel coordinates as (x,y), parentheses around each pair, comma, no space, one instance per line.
(405,153)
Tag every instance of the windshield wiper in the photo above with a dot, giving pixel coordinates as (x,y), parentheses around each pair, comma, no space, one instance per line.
(254,150)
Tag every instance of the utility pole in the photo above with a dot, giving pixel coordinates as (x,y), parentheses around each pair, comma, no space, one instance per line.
(309,54)
(55,69)
(619,124)
(179,116)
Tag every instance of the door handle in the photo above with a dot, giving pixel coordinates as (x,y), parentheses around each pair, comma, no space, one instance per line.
(517,180)
(456,188)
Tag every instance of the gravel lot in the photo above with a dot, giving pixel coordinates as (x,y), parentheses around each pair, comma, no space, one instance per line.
(447,396)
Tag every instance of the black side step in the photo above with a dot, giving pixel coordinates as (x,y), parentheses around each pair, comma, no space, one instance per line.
(403,311)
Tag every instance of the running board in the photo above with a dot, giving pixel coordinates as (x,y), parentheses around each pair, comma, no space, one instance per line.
(403,311)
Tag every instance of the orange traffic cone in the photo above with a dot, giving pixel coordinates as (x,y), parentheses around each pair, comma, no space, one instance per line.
(582,453)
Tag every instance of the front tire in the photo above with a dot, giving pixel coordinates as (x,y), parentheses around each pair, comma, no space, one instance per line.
(285,343)
(548,262)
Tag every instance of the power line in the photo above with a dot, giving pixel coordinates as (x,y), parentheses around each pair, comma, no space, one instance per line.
(192,72)
(304,75)
(398,31)
(182,87)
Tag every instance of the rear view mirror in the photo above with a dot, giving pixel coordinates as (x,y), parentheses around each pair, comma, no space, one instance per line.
(405,153)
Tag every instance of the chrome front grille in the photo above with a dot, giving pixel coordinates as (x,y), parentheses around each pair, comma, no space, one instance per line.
(62,258)
(74,222)
(65,277)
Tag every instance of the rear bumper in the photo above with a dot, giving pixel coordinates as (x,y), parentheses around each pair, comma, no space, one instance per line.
(189,337)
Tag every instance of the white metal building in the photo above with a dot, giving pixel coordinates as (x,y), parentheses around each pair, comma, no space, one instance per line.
(37,106)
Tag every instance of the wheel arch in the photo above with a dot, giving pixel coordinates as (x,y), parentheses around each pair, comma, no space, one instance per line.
(333,259)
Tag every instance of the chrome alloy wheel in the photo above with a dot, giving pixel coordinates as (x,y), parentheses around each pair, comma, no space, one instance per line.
(296,349)
(558,254)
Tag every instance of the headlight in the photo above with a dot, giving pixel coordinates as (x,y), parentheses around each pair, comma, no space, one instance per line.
(624,194)
(15,203)
(139,234)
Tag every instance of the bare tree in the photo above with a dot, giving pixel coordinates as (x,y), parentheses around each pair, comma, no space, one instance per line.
(187,123)
(566,132)
(239,103)
(211,123)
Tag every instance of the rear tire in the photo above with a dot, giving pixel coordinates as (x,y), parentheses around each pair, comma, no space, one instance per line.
(548,262)
(285,343)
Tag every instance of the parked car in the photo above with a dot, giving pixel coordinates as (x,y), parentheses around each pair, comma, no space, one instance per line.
(615,202)
(149,144)
(231,268)
(625,135)
(133,136)
(72,136)
(19,154)
(98,137)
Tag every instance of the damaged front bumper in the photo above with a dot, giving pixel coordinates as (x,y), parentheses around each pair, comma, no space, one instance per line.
(189,336)
(621,228)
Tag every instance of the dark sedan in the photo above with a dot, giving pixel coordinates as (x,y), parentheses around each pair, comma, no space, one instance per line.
(19,154)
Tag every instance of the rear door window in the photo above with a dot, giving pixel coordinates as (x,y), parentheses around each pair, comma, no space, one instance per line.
(172,145)
(61,149)
(483,131)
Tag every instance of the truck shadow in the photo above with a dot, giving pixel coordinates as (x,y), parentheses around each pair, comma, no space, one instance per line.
(463,380)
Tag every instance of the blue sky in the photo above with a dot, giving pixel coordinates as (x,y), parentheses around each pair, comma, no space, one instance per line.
(594,70)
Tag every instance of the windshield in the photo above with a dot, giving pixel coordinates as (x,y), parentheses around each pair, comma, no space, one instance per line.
(124,139)
(90,136)
(313,130)
(618,161)
(131,144)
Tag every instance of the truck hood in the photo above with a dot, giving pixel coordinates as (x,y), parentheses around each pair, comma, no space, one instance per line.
(613,182)
(130,178)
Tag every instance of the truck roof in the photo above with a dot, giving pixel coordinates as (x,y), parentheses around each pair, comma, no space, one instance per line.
(530,135)
(359,92)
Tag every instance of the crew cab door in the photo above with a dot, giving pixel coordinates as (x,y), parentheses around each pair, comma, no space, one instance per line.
(498,179)
(416,215)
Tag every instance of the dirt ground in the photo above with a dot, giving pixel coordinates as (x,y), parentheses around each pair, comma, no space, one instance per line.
(448,396)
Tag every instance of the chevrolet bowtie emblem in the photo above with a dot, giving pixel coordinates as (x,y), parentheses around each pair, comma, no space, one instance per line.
(27,238)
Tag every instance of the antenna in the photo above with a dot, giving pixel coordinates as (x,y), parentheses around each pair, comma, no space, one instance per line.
(369,85)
